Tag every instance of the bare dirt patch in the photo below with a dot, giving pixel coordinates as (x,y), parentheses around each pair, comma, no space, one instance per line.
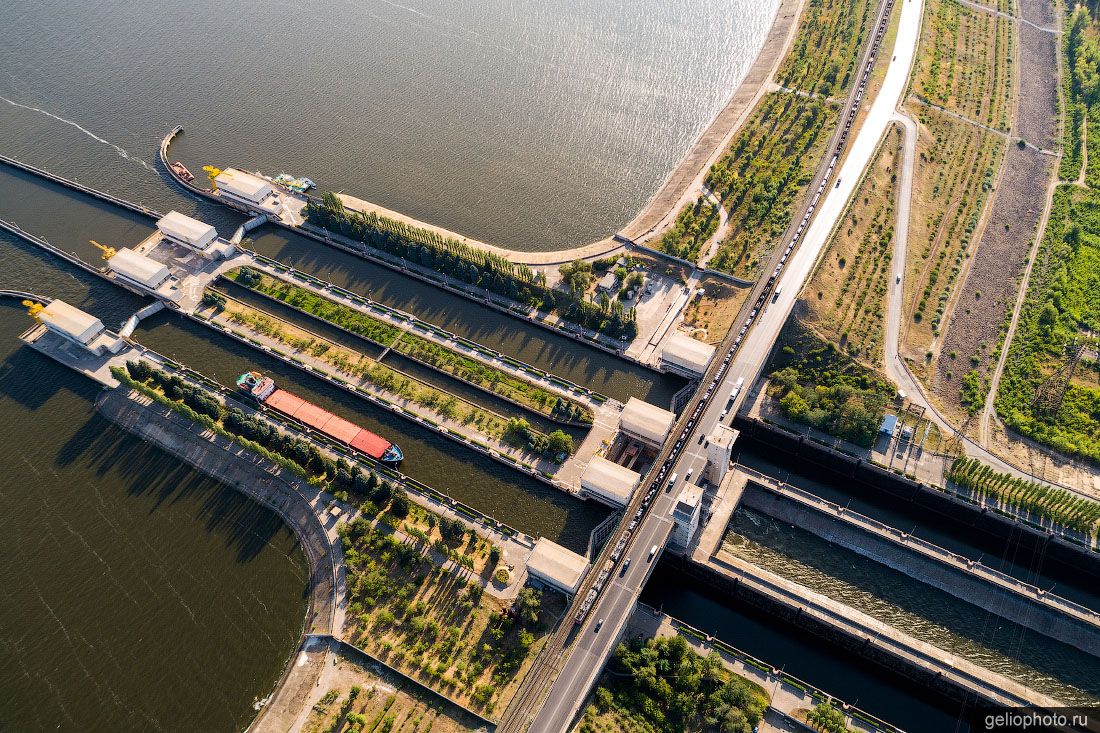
(710,316)
(382,695)
(972,341)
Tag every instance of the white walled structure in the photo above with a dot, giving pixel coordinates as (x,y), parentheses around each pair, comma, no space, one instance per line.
(187,231)
(719,452)
(645,422)
(138,269)
(685,515)
(608,482)
(555,566)
(686,356)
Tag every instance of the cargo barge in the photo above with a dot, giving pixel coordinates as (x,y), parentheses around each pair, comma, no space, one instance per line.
(263,390)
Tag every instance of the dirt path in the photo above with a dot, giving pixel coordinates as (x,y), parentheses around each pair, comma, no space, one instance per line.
(1084,152)
(711,246)
(896,297)
(1021,296)
(1000,13)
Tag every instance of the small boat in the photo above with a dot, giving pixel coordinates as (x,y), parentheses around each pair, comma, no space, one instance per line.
(181,170)
(264,391)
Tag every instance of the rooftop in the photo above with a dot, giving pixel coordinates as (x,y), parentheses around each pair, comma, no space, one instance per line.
(552,563)
(70,320)
(138,267)
(609,480)
(688,500)
(182,227)
(648,421)
(242,183)
(685,351)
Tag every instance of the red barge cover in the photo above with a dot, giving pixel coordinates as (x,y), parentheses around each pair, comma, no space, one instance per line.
(325,422)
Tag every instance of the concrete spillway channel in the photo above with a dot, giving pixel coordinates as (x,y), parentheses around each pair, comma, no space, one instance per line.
(970,581)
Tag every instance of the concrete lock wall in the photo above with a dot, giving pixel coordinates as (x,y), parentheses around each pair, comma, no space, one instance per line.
(1029,612)
(863,478)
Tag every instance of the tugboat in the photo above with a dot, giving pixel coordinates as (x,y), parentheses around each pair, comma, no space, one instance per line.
(181,170)
(264,391)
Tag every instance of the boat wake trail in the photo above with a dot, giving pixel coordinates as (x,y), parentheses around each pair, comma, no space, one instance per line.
(121,151)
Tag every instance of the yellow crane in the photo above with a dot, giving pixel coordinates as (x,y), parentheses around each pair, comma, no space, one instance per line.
(33,309)
(108,252)
(212,173)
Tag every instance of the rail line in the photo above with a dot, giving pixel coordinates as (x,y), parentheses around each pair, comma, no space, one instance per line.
(547,662)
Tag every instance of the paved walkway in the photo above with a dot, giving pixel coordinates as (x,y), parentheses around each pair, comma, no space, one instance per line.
(406,321)
(426,416)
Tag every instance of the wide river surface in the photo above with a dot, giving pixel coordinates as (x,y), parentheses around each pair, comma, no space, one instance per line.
(530,124)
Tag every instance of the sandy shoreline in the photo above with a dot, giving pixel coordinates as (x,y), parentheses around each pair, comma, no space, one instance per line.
(683,183)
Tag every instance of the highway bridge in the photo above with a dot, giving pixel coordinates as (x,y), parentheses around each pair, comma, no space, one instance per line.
(606,600)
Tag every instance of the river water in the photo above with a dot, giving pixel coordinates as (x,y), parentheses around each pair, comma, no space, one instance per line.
(69,220)
(530,124)
(137,594)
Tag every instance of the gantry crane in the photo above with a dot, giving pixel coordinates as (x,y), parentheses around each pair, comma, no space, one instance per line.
(212,173)
(108,252)
(33,309)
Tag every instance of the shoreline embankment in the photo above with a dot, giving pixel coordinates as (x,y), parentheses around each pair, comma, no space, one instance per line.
(682,183)
(267,485)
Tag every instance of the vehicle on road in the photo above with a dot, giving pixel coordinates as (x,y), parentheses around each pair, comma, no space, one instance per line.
(599,625)
(672,481)
(626,564)
(652,552)
(898,278)
(837,183)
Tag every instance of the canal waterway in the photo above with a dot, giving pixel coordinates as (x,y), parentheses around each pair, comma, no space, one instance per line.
(470,477)
(529,124)
(1001,553)
(560,355)
(69,220)
(924,612)
(138,595)
(840,673)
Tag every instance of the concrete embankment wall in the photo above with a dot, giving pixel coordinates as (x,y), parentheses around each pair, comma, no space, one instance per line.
(1018,606)
(853,632)
(864,479)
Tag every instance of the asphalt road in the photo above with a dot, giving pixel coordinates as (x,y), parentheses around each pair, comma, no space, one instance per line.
(601,628)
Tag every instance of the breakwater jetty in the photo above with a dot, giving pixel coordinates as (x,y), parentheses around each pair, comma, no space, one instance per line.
(75,186)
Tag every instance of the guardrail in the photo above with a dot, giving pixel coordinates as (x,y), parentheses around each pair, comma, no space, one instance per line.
(929,549)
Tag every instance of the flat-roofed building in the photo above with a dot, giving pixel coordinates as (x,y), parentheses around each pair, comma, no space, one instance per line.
(71,322)
(138,269)
(686,356)
(554,566)
(244,187)
(187,231)
(645,422)
(685,515)
(608,482)
(78,327)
